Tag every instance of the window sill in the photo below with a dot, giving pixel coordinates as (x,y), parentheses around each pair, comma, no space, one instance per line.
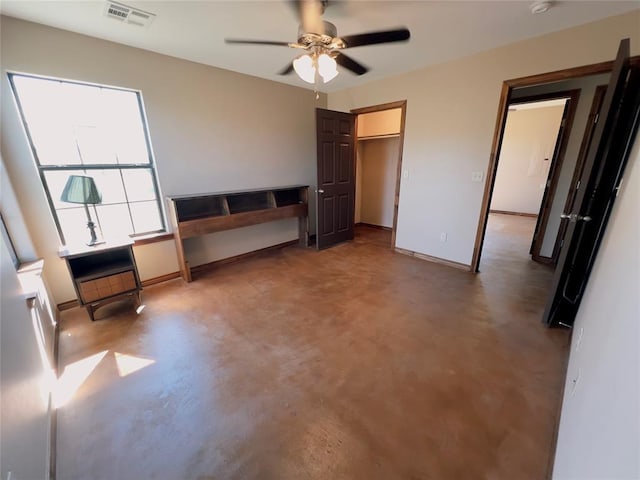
(29,274)
(153,238)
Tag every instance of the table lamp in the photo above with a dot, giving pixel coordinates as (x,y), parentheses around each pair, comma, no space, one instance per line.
(81,189)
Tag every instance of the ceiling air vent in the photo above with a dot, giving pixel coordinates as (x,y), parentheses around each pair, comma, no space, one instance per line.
(126,14)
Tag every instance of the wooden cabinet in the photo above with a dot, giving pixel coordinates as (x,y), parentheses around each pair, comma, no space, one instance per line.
(103,273)
(194,215)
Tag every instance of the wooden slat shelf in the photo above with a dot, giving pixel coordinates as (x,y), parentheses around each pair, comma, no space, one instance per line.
(202,214)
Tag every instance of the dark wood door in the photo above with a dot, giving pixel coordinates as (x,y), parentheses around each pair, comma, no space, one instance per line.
(608,152)
(336,177)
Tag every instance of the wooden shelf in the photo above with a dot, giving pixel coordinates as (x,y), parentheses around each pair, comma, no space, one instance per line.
(202,214)
(377,137)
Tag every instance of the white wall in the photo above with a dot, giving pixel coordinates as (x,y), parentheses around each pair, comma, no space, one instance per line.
(211,130)
(525,158)
(587,86)
(27,339)
(378,173)
(450,120)
(383,122)
(24,389)
(599,436)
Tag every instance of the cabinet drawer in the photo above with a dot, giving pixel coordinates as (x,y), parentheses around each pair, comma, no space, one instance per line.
(104,287)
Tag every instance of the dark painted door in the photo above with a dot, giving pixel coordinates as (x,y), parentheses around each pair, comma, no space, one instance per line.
(601,178)
(336,177)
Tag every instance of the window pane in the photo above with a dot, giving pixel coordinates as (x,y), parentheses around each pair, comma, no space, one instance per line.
(146,217)
(94,146)
(114,220)
(49,120)
(73,222)
(139,184)
(109,183)
(123,122)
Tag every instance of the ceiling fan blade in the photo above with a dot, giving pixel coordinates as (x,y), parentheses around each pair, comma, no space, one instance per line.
(350,64)
(286,70)
(373,38)
(309,14)
(255,42)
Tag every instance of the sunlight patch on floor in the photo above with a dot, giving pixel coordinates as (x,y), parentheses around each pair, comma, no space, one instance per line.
(128,364)
(73,377)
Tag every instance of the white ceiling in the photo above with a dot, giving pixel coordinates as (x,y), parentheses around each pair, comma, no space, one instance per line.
(440,30)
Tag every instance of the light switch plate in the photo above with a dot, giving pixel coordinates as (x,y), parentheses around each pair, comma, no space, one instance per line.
(476,176)
(405,173)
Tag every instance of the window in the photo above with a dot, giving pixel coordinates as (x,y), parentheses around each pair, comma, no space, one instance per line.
(97,131)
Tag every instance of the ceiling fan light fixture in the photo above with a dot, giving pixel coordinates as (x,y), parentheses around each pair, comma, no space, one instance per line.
(327,67)
(304,67)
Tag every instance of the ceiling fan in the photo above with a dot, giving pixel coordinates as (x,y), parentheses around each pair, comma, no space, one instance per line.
(322,45)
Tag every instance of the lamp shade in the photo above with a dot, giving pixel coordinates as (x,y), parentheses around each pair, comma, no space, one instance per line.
(81,189)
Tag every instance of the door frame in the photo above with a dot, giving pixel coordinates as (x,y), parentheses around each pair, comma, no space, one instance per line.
(557,160)
(402,105)
(503,104)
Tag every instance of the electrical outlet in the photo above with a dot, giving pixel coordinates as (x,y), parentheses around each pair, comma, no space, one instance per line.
(575,382)
(443,237)
(405,173)
(579,339)
(476,176)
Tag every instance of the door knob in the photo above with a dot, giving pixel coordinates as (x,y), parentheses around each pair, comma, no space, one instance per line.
(320,191)
(573,217)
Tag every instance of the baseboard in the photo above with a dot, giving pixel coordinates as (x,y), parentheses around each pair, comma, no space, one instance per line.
(53,411)
(243,256)
(53,435)
(429,258)
(160,279)
(67,305)
(541,259)
(371,225)
(520,214)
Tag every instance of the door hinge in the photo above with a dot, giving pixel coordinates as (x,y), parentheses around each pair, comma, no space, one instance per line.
(578,185)
(563,123)
(619,187)
(596,118)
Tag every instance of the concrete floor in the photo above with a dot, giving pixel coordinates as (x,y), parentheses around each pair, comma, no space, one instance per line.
(350,363)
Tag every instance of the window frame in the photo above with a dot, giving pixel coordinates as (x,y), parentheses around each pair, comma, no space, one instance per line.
(151,165)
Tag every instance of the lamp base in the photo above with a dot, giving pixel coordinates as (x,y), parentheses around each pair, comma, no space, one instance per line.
(94,239)
(91,243)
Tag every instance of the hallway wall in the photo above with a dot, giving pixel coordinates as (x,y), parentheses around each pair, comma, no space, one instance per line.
(525,158)
(599,434)
(378,173)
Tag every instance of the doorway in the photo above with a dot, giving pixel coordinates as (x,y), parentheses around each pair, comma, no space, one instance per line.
(379,141)
(550,229)
(533,147)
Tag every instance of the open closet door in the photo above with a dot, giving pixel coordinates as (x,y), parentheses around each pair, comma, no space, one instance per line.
(336,177)
(596,190)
